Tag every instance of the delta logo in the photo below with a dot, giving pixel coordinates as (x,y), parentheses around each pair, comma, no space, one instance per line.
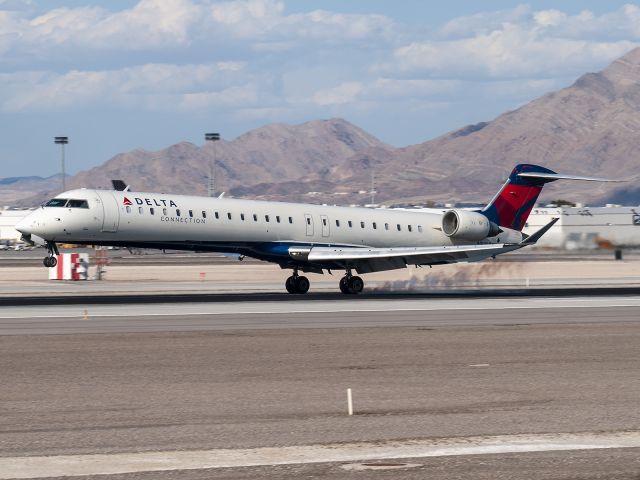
(149,201)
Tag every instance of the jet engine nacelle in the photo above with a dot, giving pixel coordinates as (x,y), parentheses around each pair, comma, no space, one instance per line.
(466,225)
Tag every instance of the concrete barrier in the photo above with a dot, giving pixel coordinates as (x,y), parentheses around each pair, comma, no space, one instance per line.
(71,266)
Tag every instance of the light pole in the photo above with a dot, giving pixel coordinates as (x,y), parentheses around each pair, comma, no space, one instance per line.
(212,137)
(373,187)
(62,141)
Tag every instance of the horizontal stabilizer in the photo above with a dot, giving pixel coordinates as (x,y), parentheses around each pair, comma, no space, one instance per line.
(558,176)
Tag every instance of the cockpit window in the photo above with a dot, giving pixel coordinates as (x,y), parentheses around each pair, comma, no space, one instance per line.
(56,202)
(78,204)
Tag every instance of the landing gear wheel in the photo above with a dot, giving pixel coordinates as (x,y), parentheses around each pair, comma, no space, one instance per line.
(344,285)
(290,284)
(50,262)
(296,284)
(355,284)
(302,284)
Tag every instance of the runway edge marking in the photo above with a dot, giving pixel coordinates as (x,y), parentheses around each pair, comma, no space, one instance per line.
(121,463)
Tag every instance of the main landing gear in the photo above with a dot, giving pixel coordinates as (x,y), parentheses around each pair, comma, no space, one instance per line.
(51,261)
(350,284)
(297,284)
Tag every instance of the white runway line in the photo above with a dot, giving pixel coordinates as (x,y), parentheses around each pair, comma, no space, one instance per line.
(119,463)
(265,308)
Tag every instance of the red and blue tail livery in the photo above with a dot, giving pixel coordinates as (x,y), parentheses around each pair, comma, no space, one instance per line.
(511,206)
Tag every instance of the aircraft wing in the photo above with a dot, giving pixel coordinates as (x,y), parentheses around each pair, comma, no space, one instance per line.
(366,259)
(369,259)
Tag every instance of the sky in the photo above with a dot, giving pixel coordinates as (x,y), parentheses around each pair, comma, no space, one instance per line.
(123,74)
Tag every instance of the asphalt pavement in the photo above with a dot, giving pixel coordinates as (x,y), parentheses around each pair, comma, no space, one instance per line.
(120,379)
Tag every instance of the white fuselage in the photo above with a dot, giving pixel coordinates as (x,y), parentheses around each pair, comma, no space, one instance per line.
(256,228)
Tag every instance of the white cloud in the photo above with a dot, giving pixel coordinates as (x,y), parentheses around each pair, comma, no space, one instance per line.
(339,95)
(550,18)
(623,23)
(510,52)
(383,89)
(521,43)
(483,22)
(248,18)
(254,61)
(151,86)
(265,18)
(149,24)
(321,24)
(153,25)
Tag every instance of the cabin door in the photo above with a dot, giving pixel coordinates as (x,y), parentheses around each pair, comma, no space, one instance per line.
(110,211)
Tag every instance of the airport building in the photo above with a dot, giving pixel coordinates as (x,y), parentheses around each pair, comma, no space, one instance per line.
(587,227)
(9,218)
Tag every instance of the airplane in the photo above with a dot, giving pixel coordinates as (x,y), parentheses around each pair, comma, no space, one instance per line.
(301,237)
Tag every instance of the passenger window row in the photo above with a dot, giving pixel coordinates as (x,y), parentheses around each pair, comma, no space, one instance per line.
(374,225)
(178,213)
(267,218)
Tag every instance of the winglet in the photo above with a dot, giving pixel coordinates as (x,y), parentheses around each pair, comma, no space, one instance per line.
(532,239)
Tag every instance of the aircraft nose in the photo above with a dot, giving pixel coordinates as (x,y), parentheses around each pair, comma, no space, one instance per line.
(24,226)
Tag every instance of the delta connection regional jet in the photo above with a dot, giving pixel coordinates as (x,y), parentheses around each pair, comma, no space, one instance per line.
(300,237)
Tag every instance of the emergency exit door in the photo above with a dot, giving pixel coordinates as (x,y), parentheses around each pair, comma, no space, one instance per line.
(308,220)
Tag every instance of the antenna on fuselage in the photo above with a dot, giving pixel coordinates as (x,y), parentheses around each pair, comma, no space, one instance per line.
(373,187)
(120,186)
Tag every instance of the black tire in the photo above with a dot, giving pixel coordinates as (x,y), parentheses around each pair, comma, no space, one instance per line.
(45,262)
(344,285)
(53,261)
(290,284)
(356,284)
(302,285)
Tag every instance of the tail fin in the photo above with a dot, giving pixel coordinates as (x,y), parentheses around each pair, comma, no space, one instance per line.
(511,206)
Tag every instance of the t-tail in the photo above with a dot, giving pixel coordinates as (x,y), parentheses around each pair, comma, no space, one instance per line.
(511,206)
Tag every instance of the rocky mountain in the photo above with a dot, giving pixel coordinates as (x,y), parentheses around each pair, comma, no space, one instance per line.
(15,189)
(269,155)
(590,128)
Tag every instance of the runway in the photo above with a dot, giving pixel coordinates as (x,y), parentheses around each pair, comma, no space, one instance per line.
(483,387)
(332,312)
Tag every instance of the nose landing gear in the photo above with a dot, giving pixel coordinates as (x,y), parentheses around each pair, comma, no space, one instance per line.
(51,261)
(351,284)
(297,284)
